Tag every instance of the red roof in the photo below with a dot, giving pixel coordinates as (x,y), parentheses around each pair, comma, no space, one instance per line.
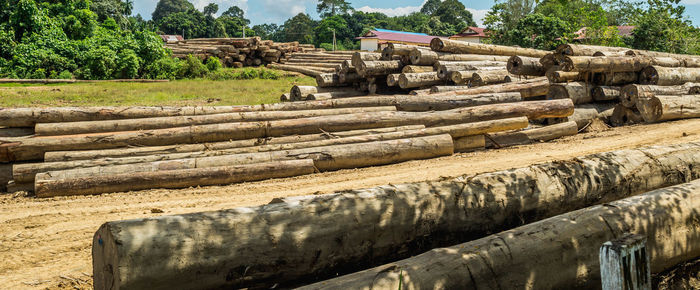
(398,36)
(172,38)
(623,31)
(471,32)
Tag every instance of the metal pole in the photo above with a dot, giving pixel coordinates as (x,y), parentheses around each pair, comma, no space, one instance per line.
(334,46)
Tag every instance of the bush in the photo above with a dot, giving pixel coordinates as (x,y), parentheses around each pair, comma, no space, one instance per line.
(127,65)
(99,64)
(193,68)
(243,74)
(38,74)
(65,75)
(163,69)
(213,63)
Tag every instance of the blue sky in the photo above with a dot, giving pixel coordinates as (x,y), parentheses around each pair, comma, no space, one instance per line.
(277,11)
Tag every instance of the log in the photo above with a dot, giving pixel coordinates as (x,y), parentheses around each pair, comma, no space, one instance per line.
(47,187)
(471,57)
(378,68)
(416,69)
(392,80)
(402,49)
(489,77)
(302,70)
(630,93)
(444,69)
(619,63)
(298,93)
(589,50)
(454,46)
(668,76)
(615,79)
(347,67)
(527,88)
(419,80)
(462,77)
(328,80)
(335,95)
(259,243)
(16,132)
(86,127)
(359,57)
(421,57)
(649,53)
(527,66)
(325,158)
(469,143)
(529,136)
(511,259)
(579,92)
(549,61)
(622,116)
(664,108)
(585,114)
(442,89)
(285,97)
(605,93)
(161,150)
(557,76)
(350,78)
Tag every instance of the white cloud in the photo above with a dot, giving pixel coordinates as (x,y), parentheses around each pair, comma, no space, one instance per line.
(479,15)
(690,2)
(398,11)
(223,4)
(281,10)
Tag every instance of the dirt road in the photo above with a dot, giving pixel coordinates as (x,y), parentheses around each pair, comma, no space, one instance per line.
(45,243)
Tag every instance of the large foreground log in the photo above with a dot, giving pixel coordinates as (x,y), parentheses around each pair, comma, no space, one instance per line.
(664,108)
(605,93)
(181,148)
(520,257)
(532,135)
(527,88)
(585,114)
(418,80)
(454,46)
(359,57)
(622,116)
(489,77)
(253,247)
(668,76)
(630,93)
(617,63)
(579,92)
(70,128)
(84,181)
(46,187)
(527,66)
(589,50)
(379,68)
(26,172)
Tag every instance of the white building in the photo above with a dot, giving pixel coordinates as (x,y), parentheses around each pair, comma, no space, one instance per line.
(470,34)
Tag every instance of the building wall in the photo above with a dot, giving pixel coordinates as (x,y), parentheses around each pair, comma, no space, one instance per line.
(369,44)
(468,39)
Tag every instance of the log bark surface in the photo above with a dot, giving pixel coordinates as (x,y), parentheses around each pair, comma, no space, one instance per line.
(664,108)
(668,76)
(528,66)
(253,247)
(418,80)
(461,47)
(579,92)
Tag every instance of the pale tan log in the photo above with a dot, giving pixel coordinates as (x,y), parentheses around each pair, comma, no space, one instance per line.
(668,76)
(469,143)
(302,70)
(379,68)
(314,65)
(403,49)
(421,57)
(615,79)
(579,92)
(589,50)
(630,93)
(664,108)
(359,57)
(490,77)
(528,66)
(387,223)
(462,77)
(619,63)
(557,76)
(329,80)
(527,88)
(315,62)
(605,93)
(392,80)
(298,93)
(44,186)
(417,69)
(73,128)
(335,95)
(454,46)
(471,57)
(326,158)
(511,259)
(442,89)
(182,148)
(445,68)
(285,97)
(419,80)
(347,67)
(622,116)
(585,114)
(534,135)
(649,53)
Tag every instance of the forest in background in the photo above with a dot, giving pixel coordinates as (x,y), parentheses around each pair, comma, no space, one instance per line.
(100,39)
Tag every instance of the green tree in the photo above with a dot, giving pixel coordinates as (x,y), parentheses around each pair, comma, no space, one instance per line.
(235,11)
(324,30)
(299,28)
(211,9)
(168,7)
(332,7)
(454,13)
(430,6)
(663,27)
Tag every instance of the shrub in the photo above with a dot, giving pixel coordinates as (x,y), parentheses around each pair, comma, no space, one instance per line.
(163,69)
(213,63)
(193,68)
(243,74)
(127,64)
(65,75)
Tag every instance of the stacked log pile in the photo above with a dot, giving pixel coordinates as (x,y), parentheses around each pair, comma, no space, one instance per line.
(78,151)
(239,52)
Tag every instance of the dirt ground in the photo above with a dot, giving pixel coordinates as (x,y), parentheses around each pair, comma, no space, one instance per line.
(46,243)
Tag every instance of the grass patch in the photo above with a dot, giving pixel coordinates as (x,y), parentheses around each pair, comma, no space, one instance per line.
(196,92)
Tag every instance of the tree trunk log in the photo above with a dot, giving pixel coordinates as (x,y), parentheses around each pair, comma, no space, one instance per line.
(350,78)
(285,97)
(47,187)
(528,66)
(527,88)
(429,57)
(302,70)
(615,79)
(416,69)
(529,136)
(359,57)
(618,63)
(668,76)
(333,95)
(622,116)
(444,69)
(557,76)
(469,143)
(664,108)
(379,68)
(392,80)
(585,114)
(490,77)
(511,259)
(604,93)
(329,80)
(419,80)
(442,89)
(589,50)
(182,148)
(630,93)
(453,46)
(579,92)
(253,247)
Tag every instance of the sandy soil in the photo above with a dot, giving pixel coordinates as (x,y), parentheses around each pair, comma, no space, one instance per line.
(45,243)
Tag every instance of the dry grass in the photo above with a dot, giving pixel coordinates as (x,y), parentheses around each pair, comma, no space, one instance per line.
(175,93)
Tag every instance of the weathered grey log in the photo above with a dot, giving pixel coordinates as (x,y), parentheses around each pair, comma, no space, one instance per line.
(579,92)
(303,70)
(392,80)
(469,143)
(615,79)
(16,132)
(589,50)
(325,158)
(429,57)
(418,80)
(625,261)
(86,127)
(181,148)
(442,89)
(668,76)
(605,93)
(532,135)
(630,93)
(490,77)
(585,114)
(664,108)
(359,57)
(328,80)
(454,46)
(334,95)
(557,76)
(350,78)
(379,68)
(511,259)
(616,63)
(47,187)
(528,66)
(417,69)
(252,247)
(527,88)
(622,116)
